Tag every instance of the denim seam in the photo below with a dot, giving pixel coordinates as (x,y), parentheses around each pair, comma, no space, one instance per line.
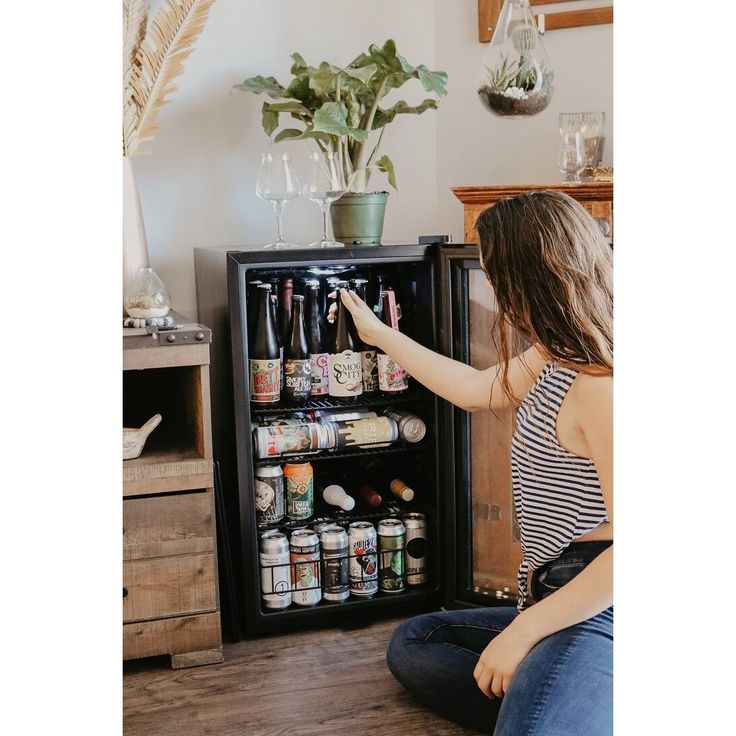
(551,679)
(460,626)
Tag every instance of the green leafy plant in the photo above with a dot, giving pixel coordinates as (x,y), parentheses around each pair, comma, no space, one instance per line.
(339,107)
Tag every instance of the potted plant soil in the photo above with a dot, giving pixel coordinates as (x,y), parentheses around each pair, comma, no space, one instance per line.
(339,109)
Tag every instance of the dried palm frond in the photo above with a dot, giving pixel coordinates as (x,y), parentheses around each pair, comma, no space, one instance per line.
(152,60)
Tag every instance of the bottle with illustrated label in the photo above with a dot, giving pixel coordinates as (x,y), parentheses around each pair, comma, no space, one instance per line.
(392,378)
(265,362)
(368,355)
(252,309)
(346,377)
(297,365)
(317,341)
(283,318)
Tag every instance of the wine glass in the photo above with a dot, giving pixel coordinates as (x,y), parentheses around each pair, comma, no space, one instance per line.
(325,183)
(571,159)
(277,184)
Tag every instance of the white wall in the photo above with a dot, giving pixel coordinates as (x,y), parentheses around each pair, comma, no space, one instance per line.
(475,147)
(197,186)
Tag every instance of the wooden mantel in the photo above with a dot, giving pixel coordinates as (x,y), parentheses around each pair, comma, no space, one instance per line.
(595,196)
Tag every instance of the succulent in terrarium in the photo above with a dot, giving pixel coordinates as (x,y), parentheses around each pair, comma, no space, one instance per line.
(515,79)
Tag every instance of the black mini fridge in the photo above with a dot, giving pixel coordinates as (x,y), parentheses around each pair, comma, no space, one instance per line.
(460,470)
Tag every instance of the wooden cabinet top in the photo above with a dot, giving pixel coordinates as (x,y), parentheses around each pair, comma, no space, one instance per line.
(145,347)
(593,191)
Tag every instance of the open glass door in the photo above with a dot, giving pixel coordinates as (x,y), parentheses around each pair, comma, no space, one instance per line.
(482,545)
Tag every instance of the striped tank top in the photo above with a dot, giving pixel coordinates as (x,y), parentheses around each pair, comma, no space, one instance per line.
(557,495)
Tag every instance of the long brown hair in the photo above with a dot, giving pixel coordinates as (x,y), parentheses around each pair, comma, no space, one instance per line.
(552,274)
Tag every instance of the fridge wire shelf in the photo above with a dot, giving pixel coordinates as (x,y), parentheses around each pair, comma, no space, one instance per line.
(334,403)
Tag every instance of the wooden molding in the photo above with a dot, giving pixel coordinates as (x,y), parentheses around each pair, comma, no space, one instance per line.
(489,10)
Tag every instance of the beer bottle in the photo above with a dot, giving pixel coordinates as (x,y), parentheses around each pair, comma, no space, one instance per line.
(368,363)
(356,483)
(253,304)
(286,291)
(264,362)
(297,367)
(392,378)
(346,378)
(331,293)
(317,343)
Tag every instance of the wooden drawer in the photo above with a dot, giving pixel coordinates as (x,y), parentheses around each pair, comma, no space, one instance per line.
(160,526)
(190,640)
(169,586)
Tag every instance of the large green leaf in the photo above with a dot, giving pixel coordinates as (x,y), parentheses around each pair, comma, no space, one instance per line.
(332,118)
(362,74)
(287,107)
(269,119)
(386,165)
(288,133)
(384,117)
(259,84)
(433,81)
(299,64)
(299,89)
(323,80)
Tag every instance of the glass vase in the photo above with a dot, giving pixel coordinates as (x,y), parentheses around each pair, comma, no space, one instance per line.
(147,297)
(515,79)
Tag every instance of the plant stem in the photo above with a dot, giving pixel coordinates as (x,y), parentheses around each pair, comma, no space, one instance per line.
(358,152)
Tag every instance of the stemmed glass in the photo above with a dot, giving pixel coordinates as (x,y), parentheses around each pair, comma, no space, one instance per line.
(277,184)
(325,183)
(571,159)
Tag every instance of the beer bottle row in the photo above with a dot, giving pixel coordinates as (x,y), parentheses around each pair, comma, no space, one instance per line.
(310,432)
(330,562)
(291,356)
(288,493)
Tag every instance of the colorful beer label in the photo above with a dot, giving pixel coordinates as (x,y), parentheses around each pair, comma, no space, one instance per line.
(369,367)
(391,376)
(299,481)
(265,381)
(346,375)
(320,373)
(297,378)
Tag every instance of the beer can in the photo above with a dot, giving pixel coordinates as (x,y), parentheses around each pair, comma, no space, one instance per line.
(275,575)
(411,427)
(371,432)
(305,573)
(416,548)
(283,439)
(335,573)
(363,559)
(321,524)
(299,490)
(269,490)
(391,562)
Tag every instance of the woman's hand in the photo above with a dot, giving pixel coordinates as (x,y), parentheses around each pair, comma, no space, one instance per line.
(499,661)
(369,327)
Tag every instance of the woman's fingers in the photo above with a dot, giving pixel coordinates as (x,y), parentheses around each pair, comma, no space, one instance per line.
(483,680)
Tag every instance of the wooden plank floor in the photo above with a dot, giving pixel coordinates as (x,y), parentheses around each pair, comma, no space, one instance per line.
(322,682)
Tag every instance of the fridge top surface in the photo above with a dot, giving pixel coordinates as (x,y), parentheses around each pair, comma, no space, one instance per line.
(258,256)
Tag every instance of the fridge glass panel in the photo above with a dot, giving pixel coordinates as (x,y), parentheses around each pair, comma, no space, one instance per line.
(496,552)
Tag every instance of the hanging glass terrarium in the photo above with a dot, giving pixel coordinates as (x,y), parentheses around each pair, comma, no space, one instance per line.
(515,79)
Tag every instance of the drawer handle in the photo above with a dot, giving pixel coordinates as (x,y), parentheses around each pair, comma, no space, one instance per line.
(125,592)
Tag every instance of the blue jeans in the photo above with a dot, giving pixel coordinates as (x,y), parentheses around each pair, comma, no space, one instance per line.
(563,687)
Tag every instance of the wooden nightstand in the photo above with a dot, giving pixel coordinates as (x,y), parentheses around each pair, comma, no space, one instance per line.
(170,586)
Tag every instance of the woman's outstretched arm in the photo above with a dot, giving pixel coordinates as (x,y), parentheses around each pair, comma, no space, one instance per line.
(467,387)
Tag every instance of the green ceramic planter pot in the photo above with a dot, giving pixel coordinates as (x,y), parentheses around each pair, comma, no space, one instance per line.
(357,219)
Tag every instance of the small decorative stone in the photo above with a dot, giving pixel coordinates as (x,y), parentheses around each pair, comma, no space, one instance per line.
(150,322)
